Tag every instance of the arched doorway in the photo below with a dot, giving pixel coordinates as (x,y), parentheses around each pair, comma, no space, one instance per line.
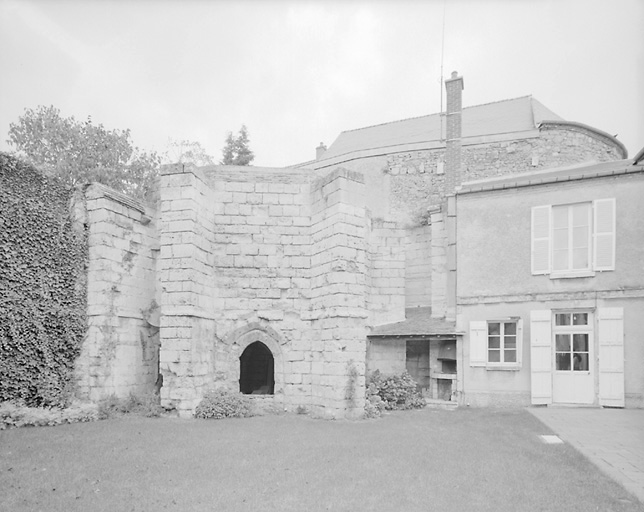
(257,370)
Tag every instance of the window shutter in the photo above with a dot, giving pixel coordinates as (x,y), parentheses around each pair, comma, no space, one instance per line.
(540,240)
(604,234)
(478,343)
(611,356)
(519,341)
(541,356)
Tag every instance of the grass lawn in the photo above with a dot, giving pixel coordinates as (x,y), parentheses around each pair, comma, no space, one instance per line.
(463,460)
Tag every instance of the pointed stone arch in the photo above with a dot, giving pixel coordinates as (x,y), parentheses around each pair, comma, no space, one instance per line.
(257,370)
(240,339)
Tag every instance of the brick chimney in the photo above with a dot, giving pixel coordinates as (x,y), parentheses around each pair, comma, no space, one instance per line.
(320,150)
(454,108)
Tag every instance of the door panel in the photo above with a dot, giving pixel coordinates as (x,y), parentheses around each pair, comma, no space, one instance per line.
(573,379)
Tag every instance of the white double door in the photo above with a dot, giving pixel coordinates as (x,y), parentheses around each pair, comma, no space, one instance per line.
(577,357)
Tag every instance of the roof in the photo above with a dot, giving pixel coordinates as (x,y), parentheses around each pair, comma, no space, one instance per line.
(639,157)
(505,120)
(508,116)
(558,175)
(419,322)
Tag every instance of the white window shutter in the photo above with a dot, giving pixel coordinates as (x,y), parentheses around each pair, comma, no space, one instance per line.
(519,341)
(478,343)
(540,248)
(611,356)
(541,356)
(604,234)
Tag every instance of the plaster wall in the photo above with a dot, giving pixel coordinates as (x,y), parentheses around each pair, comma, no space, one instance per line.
(494,239)
(495,280)
(492,387)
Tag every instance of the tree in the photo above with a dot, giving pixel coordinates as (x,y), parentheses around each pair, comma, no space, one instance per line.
(79,152)
(186,152)
(236,150)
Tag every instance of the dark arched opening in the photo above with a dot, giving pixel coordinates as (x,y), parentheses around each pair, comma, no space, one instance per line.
(257,370)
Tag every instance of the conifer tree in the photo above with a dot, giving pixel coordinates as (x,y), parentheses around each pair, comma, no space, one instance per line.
(236,150)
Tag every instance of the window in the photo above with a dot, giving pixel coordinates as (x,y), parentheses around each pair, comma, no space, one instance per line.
(502,342)
(571,237)
(573,240)
(496,344)
(572,332)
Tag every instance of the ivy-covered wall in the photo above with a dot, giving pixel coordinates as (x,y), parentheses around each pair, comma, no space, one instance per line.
(43,286)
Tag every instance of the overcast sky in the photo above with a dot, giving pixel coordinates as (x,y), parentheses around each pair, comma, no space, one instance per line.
(299,72)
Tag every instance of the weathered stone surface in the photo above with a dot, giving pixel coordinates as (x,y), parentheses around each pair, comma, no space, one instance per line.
(120,352)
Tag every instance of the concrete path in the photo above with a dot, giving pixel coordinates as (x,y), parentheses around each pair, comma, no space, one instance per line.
(613,439)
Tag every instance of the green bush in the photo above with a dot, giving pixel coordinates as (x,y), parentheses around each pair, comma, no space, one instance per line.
(221,403)
(146,404)
(14,414)
(395,391)
(374,405)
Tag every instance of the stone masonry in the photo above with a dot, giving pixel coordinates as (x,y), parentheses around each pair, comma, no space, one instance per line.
(277,256)
(418,178)
(188,297)
(120,353)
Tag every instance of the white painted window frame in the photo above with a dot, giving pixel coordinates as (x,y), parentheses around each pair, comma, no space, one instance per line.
(479,344)
(601,246)
(569,270)
(588,328)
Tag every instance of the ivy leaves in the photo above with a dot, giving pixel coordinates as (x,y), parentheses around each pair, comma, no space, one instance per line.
(42,287)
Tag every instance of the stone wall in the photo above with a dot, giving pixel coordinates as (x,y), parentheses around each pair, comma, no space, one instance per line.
(276,256)
(187,289)
(387,355)
(438,263)
(120,352)
(338,299)
(418,267)
(386,273)
(262,258)
(414,180)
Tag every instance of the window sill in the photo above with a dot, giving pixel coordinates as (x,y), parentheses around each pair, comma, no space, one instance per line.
(503,368)
(572,275)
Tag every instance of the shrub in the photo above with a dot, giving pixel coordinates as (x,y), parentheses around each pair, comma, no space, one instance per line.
(395,391)
(146,404)
(221,403)
(16,414)
(374,405)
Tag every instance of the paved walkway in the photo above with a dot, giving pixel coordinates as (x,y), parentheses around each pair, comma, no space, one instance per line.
(613,439)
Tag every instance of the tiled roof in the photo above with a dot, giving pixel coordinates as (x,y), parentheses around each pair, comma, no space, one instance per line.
(418,323)
(502,117)
(558,175)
